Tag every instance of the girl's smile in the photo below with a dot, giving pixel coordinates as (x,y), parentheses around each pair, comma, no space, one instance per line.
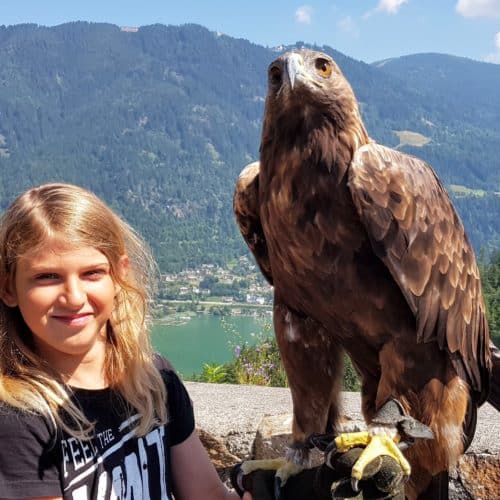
(76,320)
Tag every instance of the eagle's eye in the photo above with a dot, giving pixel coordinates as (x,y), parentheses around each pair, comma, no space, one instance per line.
(275,75)
(324,67)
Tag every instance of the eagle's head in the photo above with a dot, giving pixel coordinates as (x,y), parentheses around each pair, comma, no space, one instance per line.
(306,89)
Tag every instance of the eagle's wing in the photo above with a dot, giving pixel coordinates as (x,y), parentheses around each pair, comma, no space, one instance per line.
(415,231)
(246,209)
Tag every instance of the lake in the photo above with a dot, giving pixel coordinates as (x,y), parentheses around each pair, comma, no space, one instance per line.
(205,339)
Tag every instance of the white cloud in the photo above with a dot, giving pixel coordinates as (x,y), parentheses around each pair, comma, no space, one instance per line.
(303,15)
(347,25)
(387,6)
(478,8)
(495,56)
(391,6)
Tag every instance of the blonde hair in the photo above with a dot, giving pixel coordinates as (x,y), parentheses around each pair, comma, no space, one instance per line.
(83,220)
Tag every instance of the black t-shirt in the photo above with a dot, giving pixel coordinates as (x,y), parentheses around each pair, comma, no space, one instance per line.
(115,464)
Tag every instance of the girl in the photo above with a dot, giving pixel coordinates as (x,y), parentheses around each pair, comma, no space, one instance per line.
(84,411)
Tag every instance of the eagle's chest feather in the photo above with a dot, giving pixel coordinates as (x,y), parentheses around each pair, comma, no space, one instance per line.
(310,222)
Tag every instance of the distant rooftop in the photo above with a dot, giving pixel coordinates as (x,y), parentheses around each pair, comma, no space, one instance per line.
(129,29)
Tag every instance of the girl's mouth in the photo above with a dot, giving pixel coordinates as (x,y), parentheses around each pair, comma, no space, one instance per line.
(74,319)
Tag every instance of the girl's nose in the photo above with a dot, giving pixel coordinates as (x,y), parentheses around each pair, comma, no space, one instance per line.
(74,294)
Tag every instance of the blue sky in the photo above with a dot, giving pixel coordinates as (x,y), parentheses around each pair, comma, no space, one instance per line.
(368,30)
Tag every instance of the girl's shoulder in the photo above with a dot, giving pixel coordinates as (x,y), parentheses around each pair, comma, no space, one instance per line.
(162,363)
(169,375)
(179,404)
(16,417)
(19,426)
(29,454)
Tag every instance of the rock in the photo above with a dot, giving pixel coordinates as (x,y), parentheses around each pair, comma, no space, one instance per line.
(272,436)
(220,456)
(479,475)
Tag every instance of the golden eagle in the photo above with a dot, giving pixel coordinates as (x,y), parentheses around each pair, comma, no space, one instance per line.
(367,256)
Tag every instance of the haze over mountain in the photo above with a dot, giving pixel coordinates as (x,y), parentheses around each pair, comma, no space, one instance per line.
(160,120)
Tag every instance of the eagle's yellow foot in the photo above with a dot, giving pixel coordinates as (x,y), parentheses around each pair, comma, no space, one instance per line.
(275,464)
(284,467)
(375,446)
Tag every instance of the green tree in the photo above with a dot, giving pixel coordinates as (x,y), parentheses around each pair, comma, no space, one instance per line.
(490,276)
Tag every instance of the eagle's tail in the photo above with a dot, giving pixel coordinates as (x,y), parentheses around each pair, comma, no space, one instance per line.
(494,395)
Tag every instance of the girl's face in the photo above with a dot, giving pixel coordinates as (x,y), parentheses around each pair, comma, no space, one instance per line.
(66,296)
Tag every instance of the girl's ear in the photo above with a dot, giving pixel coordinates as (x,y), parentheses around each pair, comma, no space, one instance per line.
(122,270)
(9,295)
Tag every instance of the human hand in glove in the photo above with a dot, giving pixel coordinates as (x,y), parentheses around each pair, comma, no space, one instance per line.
(384,480)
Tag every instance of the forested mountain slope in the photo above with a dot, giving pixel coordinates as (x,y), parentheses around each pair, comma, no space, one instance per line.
(160,121)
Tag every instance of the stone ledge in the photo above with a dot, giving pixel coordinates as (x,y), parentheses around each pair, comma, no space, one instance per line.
(239,422)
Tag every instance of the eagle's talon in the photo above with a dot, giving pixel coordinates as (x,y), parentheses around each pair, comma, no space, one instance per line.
(287,470)
(354,484)
(278,488)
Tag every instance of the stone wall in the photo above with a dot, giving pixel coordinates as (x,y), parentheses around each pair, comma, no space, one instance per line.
(238,422)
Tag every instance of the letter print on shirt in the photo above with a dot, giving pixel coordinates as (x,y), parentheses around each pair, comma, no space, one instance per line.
(116,465)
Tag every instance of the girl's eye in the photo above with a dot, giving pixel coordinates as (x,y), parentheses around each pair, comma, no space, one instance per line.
(95,274)
(324,67)
(46,277)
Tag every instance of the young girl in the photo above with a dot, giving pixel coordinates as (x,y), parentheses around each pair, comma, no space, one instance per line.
(85,410)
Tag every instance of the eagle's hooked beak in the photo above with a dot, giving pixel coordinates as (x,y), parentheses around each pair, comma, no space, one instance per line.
(294,67)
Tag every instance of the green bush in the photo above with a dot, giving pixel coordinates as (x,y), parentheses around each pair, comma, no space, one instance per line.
(490,276)
(214,373)
(259,364)
(350,381)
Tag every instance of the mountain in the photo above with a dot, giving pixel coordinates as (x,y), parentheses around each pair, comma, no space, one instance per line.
(467,84)
(160,120)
